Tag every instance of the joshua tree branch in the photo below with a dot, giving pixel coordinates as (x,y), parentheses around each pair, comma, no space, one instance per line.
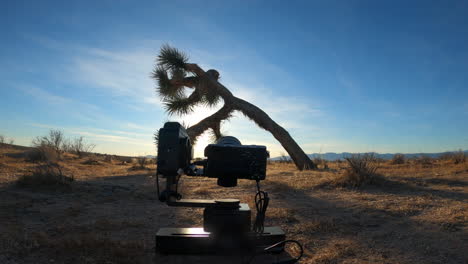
(212,121)
(189,82)
(256,114)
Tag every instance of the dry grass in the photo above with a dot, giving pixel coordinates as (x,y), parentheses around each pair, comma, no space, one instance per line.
(419,214)
(92,161)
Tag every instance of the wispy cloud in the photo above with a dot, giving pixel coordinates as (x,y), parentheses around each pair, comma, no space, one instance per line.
(135,126)
(42,94)
(122,73)
(125,73)
(77,109)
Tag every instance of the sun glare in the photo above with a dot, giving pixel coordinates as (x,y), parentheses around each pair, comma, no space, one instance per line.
(198,114)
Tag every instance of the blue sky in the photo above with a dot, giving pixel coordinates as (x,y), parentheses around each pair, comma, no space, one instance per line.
(384,76)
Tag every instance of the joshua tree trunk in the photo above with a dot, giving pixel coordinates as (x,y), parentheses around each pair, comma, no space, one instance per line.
(232,103)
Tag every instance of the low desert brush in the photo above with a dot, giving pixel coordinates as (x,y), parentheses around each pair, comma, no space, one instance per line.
(424,160)
(321,163)
(42,153)
(92,160)
(398,159)
(362,170)
(46,175)
(140,163)
(459,157)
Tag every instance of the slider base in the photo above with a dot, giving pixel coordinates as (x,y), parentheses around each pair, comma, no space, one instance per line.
(197,241)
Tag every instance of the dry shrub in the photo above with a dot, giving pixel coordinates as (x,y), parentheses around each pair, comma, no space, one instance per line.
(320,163)
(398,159)
(140,163)
(42,153)
(54,141)
(78,146)
(457,157)
(46,175)
(362,170)
(284,159)
(424,160)
(3,141)
(109,158)
(91,161)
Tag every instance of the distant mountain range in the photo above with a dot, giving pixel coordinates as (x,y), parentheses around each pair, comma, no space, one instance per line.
(331,156)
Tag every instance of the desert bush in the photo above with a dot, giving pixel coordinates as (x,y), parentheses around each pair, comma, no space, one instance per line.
(459,157)
(321,163)
(424,160)
(140,163)
(53,141)
(48,174)
(91,161)
(456,157)
(284,159)
(80,147)
(42,153)
(362,170)
(398,159)
(109,158)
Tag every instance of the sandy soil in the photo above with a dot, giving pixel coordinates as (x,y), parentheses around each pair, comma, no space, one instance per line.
(110,214)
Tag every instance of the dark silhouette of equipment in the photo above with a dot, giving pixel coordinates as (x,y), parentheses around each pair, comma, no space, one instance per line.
(227,225)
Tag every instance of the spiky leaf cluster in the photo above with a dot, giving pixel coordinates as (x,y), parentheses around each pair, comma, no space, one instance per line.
(171,58)
(172,78)
(180,106)
(165,88)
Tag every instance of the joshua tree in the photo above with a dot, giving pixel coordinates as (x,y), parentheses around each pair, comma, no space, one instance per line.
(174,73)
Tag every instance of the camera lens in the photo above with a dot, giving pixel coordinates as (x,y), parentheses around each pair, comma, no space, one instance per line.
(227,181)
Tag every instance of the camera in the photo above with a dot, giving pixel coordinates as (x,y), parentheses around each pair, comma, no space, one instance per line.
(227,160)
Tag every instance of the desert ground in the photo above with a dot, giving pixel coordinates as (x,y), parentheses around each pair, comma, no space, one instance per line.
(416,213)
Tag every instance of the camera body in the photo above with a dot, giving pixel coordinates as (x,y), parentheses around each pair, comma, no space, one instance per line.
(227,160)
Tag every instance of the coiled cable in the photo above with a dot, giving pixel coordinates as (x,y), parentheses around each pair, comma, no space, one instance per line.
(261,204)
